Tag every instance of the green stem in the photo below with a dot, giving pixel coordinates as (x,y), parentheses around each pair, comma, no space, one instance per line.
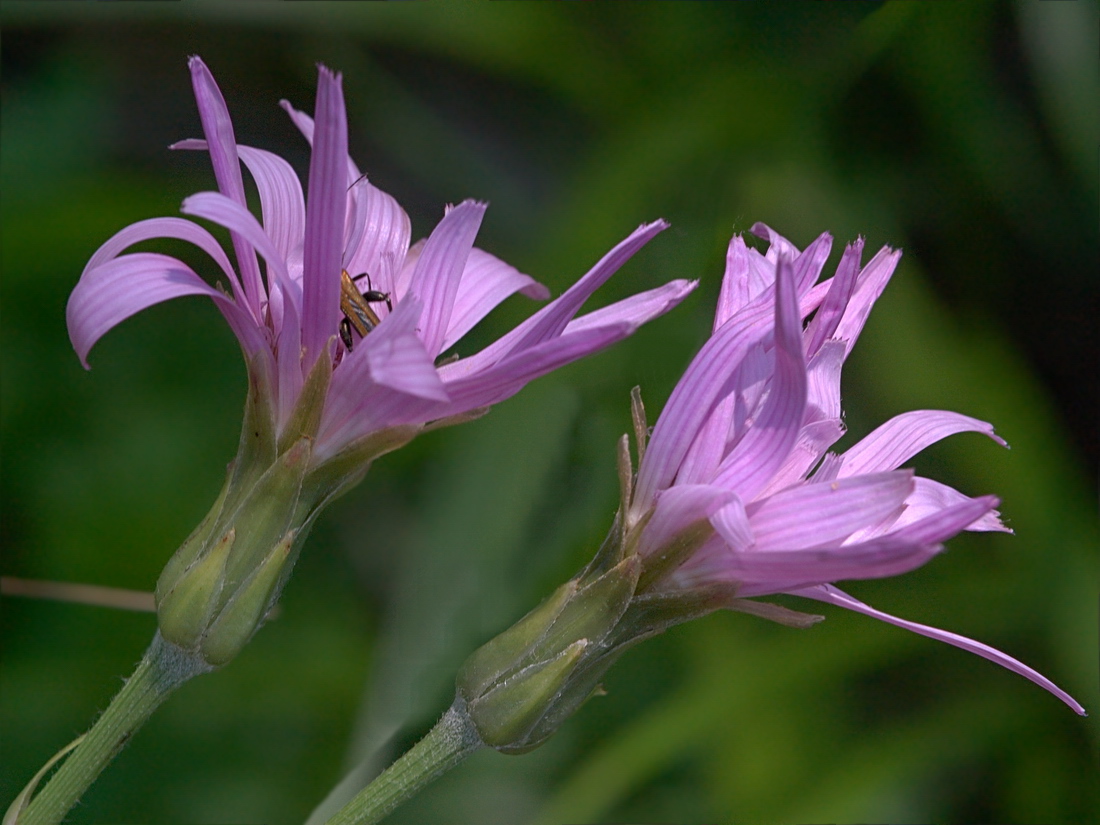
(451,740)
(163,669)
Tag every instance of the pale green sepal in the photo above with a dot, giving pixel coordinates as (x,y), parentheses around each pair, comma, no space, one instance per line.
(506,714)
(245,612)
(184,611)
(193,546)
(266,513)
(595,610)
(20,803)
(492,660)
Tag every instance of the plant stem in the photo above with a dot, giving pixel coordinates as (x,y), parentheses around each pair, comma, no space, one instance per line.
(163,669)
(451,740)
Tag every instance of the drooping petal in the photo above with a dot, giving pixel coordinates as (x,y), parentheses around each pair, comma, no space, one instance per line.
(123,286)
(439,269)
(833,595)
(322,256)
(903,436)
(768,442)
(218,128)
(167,228)
(486,281)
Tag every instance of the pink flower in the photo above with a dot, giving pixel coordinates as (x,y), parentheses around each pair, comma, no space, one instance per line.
(743,441)
(287,317)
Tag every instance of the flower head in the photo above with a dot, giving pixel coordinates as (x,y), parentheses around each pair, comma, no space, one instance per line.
(742,448)
(337,376)
(287,317)
(737,497)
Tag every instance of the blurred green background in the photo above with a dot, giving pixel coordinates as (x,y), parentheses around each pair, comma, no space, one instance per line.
(964,132)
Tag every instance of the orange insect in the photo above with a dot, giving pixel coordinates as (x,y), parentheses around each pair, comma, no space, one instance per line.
(356,307)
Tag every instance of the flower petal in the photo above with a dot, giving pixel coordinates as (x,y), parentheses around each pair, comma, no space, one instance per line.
(841,287)
(833,595)
(486,281)
(903,436)
(439,270)
(930,497)
(214,206)
(767,443)
(218,128)
(549,321)
(705,382)
(382,235)
(167,228)
(813,515)
(281,202)
(322,255)
(677,509)
(123,286)
(872,280)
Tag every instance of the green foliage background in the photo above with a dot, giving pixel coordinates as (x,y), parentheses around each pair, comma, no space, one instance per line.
(965,132)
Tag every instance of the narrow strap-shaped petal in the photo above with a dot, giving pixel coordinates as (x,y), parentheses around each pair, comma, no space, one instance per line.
(485,282)
(807,265)
(281,202)
(439,269)
(326,203)
(635,309)
(620,320)
(903,436)
(289,360)
(736,289)
(766,444)
(509,375)
(305,125)
(167,228)
(812,515)
(218,128)
(869,286)
(889,555)
(703,384)
(384,232)
(828,317)
(930,496)
(549,321)
(834,595)
(125,285)
(214,206)
(765,574)
(388,372)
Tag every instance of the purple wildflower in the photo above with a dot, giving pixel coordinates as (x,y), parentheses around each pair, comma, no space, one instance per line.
(323,401)
(287,318)
(742,444)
